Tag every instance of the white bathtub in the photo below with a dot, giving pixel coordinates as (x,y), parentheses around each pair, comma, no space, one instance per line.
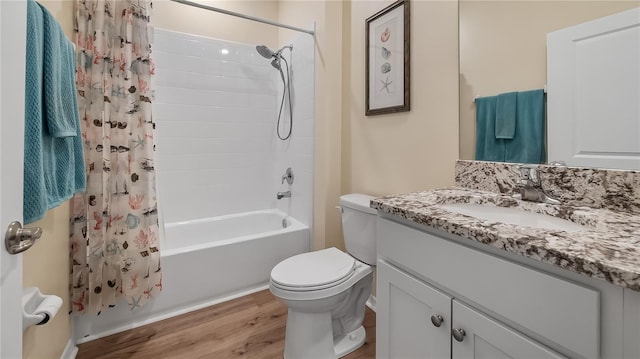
(182,237)
(205,262)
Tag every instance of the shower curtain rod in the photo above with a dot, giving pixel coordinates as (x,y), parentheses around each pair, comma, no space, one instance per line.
(236,14)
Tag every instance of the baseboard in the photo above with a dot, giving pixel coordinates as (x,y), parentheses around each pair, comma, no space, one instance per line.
(371,302)
(70,350)
(159,317)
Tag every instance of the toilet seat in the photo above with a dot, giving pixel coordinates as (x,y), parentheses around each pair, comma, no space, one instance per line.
(313,271)
(310,294)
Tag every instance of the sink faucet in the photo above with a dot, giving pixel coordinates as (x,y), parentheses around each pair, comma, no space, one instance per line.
(530,186)
(281,195)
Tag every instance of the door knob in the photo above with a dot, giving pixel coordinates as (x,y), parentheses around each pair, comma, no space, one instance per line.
(458,334)
(18,239)
(437,320)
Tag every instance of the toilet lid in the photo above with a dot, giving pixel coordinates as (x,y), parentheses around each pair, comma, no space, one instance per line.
(314,269)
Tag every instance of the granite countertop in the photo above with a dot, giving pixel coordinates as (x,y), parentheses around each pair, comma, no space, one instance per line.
(608,249)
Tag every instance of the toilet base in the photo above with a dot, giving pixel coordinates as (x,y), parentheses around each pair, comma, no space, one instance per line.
(308,335)
(350,342)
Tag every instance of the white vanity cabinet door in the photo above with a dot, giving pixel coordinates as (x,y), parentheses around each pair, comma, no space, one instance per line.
(487,339)
(404,327)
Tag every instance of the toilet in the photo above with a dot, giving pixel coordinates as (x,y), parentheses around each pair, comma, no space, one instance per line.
(326,290)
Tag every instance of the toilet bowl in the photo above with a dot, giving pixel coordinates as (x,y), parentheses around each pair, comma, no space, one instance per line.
(326,290)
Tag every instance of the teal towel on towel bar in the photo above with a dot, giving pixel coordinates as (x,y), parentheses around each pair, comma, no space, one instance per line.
(506,115)
(60,102)
(488,147)
(53,158)
(528,143)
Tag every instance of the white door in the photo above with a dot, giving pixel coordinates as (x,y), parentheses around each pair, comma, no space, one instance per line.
(593,92)
(414,319)
(12,67)
(484,338)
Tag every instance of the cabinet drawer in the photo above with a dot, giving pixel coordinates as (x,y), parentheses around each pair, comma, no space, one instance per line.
(563,312)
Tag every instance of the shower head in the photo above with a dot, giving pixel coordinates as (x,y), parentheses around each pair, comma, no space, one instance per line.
(265,52)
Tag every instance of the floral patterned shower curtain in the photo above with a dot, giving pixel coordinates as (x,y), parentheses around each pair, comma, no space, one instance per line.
(114,239)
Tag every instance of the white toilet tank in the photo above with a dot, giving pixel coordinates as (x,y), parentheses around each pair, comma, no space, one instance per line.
(359,227)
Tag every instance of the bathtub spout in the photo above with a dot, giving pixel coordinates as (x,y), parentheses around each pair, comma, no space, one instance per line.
(281,195)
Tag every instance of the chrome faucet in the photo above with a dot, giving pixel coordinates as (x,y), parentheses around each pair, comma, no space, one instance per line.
(530,186)
(281,195)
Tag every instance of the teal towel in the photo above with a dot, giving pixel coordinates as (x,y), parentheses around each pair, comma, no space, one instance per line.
(53,157)
(506,115)
(60,102)
(528,143)
(488,147)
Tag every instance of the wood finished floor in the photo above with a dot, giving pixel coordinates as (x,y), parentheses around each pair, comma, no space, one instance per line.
(248,327)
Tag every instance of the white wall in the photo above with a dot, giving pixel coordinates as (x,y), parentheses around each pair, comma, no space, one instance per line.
(297,151)
(214,115)
(216,128)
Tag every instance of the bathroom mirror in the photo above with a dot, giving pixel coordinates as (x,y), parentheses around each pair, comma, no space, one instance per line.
(502,48)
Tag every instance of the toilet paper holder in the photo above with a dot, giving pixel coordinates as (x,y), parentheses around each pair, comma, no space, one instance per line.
(37,308)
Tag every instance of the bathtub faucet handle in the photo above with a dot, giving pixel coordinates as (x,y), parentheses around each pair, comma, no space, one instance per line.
(288,176)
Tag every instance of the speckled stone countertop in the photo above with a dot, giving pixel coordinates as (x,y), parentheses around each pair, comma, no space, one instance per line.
(608,249)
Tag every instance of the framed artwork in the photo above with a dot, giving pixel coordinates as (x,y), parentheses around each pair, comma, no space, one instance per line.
(387,60)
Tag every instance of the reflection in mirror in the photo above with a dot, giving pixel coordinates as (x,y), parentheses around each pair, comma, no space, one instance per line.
(503,48)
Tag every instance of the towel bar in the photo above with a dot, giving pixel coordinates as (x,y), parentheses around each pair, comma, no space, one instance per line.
(478,96)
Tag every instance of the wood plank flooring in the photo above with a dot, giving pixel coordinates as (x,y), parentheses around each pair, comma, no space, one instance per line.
(250,327)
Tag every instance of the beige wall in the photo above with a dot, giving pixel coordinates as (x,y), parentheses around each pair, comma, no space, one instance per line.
(503,48)
(183,18)
(413,150)
(46,264)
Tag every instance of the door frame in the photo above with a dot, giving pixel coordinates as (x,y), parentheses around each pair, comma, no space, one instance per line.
(13,20)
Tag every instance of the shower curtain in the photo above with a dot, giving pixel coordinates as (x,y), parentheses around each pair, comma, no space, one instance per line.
(114,229)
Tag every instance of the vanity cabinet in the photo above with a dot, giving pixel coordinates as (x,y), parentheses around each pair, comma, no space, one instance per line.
(415,320)
(508,305)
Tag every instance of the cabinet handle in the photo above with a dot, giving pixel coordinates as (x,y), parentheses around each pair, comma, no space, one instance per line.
(458,334)
(437,320)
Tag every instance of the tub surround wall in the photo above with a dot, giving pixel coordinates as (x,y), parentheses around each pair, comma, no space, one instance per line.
(328,20)
(215,108)
(617,190)
(297,151)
